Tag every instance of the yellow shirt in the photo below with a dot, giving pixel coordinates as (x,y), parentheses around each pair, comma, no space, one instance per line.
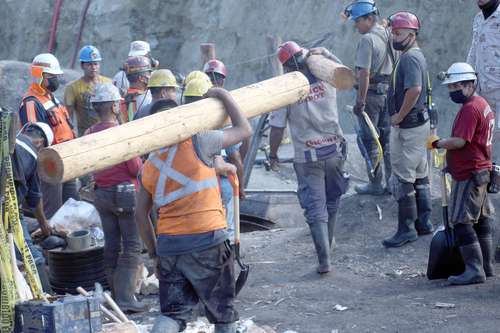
(77,96)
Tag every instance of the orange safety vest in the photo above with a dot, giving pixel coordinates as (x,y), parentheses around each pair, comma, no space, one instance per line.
(185,191)
(57,114)
(128,106)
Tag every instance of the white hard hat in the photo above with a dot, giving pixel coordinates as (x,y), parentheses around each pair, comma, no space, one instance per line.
(459,72)
(47,131)
(48,63)
(105,92)
(139,48)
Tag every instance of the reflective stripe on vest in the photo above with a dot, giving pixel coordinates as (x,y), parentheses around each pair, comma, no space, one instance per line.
(27,148)
(166,171)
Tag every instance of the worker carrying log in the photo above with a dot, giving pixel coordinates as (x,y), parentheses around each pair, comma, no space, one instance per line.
(468,157)
(40,105)
(32,138)
(194,259)
(163,88)
(320,149)
(115,194)
(407,101)
(374,61)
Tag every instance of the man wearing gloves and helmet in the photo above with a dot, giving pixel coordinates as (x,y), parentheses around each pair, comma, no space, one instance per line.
(374,62)
(468,158)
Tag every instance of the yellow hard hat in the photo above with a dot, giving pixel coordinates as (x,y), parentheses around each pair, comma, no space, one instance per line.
(196,75)
(162,78)
(197,88)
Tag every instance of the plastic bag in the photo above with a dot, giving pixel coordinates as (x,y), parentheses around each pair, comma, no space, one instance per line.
(75,215)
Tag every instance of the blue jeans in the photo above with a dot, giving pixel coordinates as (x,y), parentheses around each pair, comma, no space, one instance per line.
(35,252)
(320,186)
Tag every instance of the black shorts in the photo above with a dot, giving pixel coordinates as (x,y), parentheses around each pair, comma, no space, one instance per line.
(207,277)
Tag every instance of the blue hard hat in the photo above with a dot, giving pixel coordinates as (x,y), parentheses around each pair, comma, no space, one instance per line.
(90,53)
(360,8)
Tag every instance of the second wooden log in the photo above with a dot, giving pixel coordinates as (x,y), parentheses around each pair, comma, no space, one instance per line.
(338,75)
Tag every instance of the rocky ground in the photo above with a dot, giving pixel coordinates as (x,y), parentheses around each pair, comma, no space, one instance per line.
(371,289)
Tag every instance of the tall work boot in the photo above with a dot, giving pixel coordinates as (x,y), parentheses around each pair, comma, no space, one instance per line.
(333,208)
(44,278)
(424,206)
(374,187)
(124,286)
(331,229)
(407,214)
(164,324)
(473,259)
(486,244)
(225,328)
(319,233)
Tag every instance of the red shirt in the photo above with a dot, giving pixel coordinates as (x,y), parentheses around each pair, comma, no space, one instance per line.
(475,123)
(125,172)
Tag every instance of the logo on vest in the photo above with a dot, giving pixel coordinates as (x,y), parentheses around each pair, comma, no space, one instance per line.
(316,92)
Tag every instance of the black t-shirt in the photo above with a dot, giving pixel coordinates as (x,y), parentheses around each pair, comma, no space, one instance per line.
(411,71)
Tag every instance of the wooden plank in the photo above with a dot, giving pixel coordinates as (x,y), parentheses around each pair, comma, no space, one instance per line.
(104,149)
(340,76)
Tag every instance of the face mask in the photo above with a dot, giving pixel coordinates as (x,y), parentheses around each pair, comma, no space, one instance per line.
(458,96)
(400,46)
(53,83)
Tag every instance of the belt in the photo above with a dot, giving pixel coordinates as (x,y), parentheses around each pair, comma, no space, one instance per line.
(415,118)
(123,187)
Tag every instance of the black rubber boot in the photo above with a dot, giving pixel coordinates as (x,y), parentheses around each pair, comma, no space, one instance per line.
(474,272)
(319,233)
(424,206)
(164,324)
(486,244)
(407,214)
(124,286)
(44,278)
(225,328)
(374,187)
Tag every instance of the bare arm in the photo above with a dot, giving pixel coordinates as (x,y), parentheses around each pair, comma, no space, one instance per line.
(411,98)
(237,161)
(275,138)
(241,128)
(451,143)
(363,83)
(144,224)
(42,220)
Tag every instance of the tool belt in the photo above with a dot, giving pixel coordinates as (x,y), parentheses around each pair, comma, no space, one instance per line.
(415,118)
(378,88)
(494,179)
(124,196)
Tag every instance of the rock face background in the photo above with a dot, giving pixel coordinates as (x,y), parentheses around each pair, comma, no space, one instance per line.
(175,29)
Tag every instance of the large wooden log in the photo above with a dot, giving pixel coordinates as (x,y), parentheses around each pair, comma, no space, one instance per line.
(103,149)
(340,76)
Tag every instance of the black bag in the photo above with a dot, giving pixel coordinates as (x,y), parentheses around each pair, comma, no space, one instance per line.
(125,198)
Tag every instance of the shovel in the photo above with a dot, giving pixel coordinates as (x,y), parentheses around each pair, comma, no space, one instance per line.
(444,257)
(244,269)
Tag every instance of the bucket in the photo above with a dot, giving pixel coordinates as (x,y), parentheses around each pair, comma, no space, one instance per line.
(79,240)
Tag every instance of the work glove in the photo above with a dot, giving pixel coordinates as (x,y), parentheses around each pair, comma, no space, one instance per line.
(432,141)
(359,108)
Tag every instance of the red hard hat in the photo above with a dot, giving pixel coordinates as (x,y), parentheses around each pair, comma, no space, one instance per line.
(404,20)
(215,66)
(287,51)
